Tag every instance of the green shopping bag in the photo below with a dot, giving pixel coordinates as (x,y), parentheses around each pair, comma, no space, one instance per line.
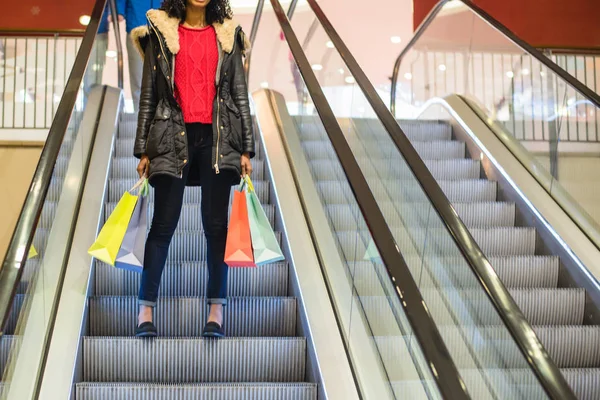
(264,242)
(107,244)
(371,254)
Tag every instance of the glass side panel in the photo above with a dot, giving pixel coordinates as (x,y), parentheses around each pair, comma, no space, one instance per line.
(32,306)
(488,359)
(384,355)
(460,53)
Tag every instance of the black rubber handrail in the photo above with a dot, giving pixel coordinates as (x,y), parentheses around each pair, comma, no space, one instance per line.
(443,369)
(12,266)
(534,352)
(585,91)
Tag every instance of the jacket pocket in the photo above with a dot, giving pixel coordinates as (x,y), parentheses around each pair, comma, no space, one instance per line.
(158,137)
(235,126)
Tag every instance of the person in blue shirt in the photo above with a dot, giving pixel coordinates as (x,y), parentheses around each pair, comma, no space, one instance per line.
(134,14)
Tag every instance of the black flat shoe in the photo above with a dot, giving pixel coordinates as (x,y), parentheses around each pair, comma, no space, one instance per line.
(146,329)
(213,330)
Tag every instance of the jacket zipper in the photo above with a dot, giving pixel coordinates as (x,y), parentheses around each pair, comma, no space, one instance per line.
(162,50)
(218,130)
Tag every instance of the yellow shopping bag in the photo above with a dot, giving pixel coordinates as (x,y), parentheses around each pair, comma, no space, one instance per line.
(107,244)
(32,252)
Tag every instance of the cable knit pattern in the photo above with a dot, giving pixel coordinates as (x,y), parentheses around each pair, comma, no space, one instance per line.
(195,69)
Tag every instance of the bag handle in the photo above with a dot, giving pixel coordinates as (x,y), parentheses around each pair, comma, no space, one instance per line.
(242,185)
(142,187)
(249,183)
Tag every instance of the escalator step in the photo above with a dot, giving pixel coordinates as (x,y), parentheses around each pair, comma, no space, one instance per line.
(8,345)
(191,215)
(185,316)
(194,360)
(189,279)
(216,391)
(467,191)
(125,168)
(551,306)
(188,246)
(454,169)
(116,188)
(433,150)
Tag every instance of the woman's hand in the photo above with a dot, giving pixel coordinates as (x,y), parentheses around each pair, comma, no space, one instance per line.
(143,165)
(246,164)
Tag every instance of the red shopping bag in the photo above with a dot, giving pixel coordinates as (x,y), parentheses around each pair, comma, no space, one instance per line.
(238,250)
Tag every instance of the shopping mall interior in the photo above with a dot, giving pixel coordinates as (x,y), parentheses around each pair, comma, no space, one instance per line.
(422,220)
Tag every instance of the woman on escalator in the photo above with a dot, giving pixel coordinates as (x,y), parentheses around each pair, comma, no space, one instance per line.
(194,129)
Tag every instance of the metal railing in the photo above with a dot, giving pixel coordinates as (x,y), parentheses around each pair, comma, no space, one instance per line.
(539,90)
(58,143)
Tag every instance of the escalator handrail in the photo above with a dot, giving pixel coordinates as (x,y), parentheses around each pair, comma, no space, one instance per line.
(534,352)
(585,91)
(444,371)
(11,270)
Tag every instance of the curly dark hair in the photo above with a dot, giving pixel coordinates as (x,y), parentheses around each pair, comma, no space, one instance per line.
(216,11)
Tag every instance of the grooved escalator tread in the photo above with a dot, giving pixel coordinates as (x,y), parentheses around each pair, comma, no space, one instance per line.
(186,316)
(197,391)
(193,360)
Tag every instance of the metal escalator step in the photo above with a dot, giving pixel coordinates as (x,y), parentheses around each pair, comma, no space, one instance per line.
(188,246)
(489,214)
(189,279)
(116,188)
(505,241)
(527,271)
(441,169)
(493,241)
(47,216)
(585,382)
(30,270)
(540,306)
(216,391)
(8,345)
(572,346)
(185,316)
(191,215)
(551,306)
(194,360)
(15,313)
(426,130)
(467,191)
(513,271)
(125,168)
(433,150)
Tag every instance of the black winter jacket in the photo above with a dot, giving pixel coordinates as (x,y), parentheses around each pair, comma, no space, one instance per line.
(161,130)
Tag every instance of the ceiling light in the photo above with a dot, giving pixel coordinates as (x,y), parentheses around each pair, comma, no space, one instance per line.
(317,67)
(341,71)
(84,20)
(396,39)
(329,44)
(543,73)
(111,53)
(408,76)
(510,74)
(442,67)
(264,85)
(350,79)
(525,71)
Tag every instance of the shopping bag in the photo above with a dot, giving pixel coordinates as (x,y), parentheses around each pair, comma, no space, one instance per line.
(264,242)
(371,254)
(238,248)
(131,253)
(107,244)
(32,252)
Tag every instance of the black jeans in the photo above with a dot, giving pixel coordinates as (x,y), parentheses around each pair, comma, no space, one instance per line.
(168,200)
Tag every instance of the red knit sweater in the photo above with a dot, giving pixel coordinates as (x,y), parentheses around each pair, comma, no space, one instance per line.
(195,70)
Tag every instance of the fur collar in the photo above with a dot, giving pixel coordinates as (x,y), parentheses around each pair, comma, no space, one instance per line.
(168,27)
